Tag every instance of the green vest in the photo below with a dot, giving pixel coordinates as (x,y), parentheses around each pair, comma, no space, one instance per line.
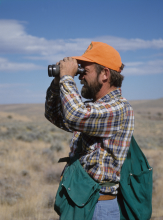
(77,194)
(136,185)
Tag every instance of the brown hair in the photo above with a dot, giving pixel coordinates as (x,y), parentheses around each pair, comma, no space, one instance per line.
(116,77)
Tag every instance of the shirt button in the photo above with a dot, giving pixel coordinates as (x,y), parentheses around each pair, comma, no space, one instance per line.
(69,189)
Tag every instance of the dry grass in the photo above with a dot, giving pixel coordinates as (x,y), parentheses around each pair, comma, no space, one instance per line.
(28,181)
(29,172)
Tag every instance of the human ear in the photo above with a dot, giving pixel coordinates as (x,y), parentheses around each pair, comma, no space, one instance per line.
(105,74)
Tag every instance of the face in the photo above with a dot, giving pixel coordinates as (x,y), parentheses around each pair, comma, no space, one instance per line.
(90,80)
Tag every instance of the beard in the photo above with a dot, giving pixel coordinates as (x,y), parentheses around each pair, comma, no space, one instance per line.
(90,91)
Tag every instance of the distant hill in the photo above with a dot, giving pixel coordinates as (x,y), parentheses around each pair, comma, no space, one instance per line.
(37,110)
(29,110)
(153,106)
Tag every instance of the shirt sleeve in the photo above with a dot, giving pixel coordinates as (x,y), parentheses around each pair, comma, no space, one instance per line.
(96,119)
(53,107)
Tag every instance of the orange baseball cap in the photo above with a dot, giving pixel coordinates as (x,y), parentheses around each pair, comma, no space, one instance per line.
(103,54)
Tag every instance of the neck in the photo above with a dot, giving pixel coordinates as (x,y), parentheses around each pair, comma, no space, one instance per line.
(103,91)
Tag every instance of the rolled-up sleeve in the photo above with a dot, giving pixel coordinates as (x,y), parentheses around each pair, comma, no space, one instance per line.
(95,119)
(53,107)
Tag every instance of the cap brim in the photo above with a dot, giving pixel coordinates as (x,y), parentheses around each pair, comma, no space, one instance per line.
(83,59)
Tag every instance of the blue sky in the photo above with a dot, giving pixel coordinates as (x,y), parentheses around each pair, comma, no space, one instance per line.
(36,33)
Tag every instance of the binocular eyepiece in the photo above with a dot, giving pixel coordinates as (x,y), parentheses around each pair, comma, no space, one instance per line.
(54,70)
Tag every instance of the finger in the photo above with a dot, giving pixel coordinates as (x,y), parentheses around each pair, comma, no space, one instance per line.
(74,60)
(58,63)
(66,59)
(61,62)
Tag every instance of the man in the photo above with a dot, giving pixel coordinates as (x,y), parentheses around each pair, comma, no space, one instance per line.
(104,125)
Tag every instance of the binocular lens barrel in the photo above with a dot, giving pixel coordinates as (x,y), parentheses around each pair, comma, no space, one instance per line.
(54,70)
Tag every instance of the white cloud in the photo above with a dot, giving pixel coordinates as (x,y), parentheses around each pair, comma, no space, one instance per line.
(8,66)
(123,44)
(14,39)
(143,68)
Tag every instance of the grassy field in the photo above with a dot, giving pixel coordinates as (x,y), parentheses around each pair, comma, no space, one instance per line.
(30,147)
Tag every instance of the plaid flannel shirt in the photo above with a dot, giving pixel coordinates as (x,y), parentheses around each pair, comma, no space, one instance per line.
(104,126)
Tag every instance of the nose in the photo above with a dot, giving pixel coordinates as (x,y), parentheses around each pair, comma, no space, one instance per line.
(81,76)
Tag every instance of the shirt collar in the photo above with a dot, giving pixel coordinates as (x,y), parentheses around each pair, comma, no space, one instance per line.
(111,95)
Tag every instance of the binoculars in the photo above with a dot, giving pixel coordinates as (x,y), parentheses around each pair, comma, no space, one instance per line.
(54,70)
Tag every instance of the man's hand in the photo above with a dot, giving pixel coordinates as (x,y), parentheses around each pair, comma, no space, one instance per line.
(68,66)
